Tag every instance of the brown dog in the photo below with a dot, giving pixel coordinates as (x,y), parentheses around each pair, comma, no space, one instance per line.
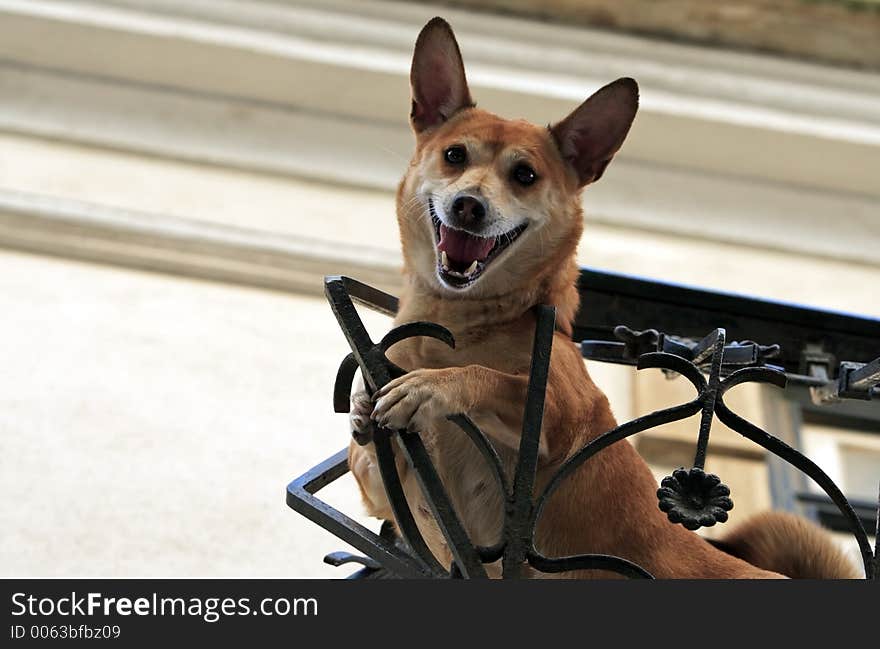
(490,217)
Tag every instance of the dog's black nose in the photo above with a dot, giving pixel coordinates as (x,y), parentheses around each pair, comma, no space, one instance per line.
(468,209)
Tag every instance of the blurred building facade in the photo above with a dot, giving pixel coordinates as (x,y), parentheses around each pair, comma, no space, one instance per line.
(149,422)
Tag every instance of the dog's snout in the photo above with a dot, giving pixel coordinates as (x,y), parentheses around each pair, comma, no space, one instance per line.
(468,209)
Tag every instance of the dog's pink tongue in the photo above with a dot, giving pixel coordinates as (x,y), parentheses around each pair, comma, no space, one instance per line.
(463,247)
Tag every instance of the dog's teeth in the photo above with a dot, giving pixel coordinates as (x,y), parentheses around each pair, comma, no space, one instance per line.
(472,268)
(444,260)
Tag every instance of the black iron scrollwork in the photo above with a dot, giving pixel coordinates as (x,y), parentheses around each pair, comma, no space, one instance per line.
(690,497)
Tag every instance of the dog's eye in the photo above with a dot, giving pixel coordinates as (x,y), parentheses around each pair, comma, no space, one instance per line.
(524,174)
(455,155)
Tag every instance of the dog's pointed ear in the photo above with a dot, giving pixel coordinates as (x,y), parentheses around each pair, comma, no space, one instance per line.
(439,86)
(590,136)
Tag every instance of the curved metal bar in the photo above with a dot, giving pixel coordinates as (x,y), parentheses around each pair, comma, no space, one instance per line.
(342,385)
(805,465)
(754,375)
(667,361)
(337,559)
(467,559)
(484,446)
(410,329)
(589,562)
(658,418)
(406,523)
(491,553)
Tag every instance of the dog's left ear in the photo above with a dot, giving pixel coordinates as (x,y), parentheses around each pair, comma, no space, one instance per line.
(439,86)
(590,136)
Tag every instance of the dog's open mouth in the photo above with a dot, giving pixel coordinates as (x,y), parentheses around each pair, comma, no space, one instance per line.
(461,256)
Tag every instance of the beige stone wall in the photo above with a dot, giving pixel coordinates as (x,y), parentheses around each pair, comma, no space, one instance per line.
(839,32)
(149,424)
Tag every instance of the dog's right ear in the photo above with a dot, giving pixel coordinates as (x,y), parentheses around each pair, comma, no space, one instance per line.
(439,86)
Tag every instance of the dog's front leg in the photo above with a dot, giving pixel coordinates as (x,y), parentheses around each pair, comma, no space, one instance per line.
(493,399)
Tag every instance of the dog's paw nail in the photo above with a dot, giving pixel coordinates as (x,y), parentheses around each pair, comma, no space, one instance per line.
(358,421)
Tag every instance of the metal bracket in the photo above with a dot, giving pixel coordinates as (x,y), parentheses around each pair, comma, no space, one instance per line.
(337,559)
(636,343)
(854,380)
(858,380)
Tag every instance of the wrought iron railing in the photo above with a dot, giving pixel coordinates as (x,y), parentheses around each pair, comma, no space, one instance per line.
(818,349)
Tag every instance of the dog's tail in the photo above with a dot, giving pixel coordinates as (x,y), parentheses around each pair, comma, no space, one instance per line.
(790,545)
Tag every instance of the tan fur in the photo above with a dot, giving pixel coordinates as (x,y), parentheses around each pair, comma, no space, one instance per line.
(789,544)
(609,504)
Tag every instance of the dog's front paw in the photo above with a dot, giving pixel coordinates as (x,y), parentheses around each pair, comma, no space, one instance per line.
(414,400)
(359,415)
